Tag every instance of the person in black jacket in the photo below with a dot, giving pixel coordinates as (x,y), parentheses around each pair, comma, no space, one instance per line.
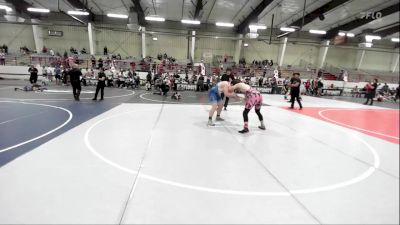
(228,76)
(295,83)
(101,83)
(371,92)
(34,74)
(75,76)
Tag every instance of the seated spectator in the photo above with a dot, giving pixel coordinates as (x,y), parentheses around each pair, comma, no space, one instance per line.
(176,96)
(148,86)
(83,51)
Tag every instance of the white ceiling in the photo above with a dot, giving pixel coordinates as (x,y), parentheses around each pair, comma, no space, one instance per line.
(235,11)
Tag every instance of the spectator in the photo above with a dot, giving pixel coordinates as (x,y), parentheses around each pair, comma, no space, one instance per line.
(148,86)
(228,76)
(385,89)
(44,50)
(51,52)
(75,74)
(295,90)
(355,92)
(397,93)
(200,83)
(34,74)
(2,57)
(101,83)
(83,51)
(307,86)
(105,50)
(137,81)
(148,77)
(57,73)
(371,91)
(5,48)
(320,85)
(100,62)
(93,60)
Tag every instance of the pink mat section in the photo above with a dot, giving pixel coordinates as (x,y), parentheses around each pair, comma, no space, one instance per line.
(380,123)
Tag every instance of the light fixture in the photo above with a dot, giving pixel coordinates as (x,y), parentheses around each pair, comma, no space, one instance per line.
(221,24)
(350,35)
(342,34)
(8,9)
(370,38)
(287,29)
(395,39)
(245,44)
(154,18)
(317,31)
(190,21)
(39,10)
(122,16)
(155,39)
(257,27)
(78,13)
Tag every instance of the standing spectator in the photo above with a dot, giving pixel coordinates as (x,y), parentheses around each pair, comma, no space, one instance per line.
(320,85)
(2,57)
(137,81)
(105,50)
(295,90)
(371,92)
(75,75)
(100,61)
(385,89)
(93,60)
(101,83)
(51,52)
(307,86)
(148,77)
(260,81)
(273,85)
(228,76)
(57,72)
(397,93)
(5,47)
(34,74)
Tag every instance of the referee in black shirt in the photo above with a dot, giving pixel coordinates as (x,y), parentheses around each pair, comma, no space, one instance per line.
(75,77)
(227,77)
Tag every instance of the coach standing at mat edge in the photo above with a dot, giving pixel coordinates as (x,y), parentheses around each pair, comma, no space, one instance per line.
(228,76)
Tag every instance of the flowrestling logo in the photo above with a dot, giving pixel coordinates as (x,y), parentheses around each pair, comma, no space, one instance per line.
(370,15)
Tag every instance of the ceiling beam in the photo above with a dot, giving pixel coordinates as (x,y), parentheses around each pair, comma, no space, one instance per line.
(387,31)
(360,21)
(79,5)
(21,9)
(140,12)
(199,7)
(253,16)
(308,18)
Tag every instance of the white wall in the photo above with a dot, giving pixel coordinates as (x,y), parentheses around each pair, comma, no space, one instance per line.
(340,57)
(175,46)
(125,43)
(258,50)
(16,36)
(214,46)
(377,61)
(295,53)
(76,37)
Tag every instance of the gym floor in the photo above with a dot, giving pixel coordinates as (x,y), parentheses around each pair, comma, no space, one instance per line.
(141,158)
